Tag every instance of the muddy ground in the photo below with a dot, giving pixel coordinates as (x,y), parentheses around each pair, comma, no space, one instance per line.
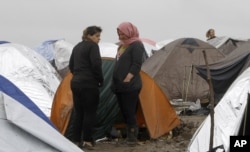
(176,142)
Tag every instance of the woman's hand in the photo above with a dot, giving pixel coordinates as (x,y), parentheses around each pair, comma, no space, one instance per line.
(128,77)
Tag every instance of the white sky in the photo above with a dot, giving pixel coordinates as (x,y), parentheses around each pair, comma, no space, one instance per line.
(30,22)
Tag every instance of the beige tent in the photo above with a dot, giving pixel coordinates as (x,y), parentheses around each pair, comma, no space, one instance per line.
(172,67)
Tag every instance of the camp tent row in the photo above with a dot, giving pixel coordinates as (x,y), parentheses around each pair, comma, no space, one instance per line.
(158,123)
(35,62)
(107,116)
(58,51)
(179,54)
(156,119)
(146,114)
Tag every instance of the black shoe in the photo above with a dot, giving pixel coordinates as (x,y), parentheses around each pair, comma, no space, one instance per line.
(132,133)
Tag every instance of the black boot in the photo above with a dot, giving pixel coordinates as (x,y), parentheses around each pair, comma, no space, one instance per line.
(132,133)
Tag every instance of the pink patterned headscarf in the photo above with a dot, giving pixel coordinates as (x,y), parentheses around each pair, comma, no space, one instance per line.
(130,31)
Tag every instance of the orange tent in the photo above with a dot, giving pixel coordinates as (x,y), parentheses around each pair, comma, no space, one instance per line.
(62,104)
(159,115)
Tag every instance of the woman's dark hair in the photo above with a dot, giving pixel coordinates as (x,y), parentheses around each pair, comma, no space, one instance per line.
(91,30)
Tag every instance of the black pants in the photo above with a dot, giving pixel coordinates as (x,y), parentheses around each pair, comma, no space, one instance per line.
(86,102)
(128,102)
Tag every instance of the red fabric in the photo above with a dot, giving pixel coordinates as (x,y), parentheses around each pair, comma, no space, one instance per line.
(130,31)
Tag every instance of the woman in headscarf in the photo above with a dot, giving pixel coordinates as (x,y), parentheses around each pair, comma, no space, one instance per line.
(127,83)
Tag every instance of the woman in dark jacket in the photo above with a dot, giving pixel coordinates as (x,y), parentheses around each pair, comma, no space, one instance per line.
(127,82)
(86,66)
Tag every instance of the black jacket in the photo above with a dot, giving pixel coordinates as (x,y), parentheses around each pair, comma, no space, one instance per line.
(86,65)
(129,62)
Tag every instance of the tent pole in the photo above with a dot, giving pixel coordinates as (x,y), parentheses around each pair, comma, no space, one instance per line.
(189,79)
(183,89)
(183,84)
(245,118)
(211,102)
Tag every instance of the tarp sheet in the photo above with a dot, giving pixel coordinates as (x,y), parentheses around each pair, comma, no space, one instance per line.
(228,115)
(24,127)
(30,72)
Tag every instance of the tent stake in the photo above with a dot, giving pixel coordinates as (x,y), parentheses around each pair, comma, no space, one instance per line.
(211,103)
(189,79)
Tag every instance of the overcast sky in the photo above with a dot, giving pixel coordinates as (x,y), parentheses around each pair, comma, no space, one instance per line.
(30,22)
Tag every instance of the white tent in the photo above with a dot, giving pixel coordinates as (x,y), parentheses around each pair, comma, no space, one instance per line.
(108,49)
(56,51)
(219,41)
(30,72)
(24,127)
(228,115)
(162,43)
(62,52)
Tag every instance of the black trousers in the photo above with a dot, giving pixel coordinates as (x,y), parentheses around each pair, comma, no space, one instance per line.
(85,105)
(128,102)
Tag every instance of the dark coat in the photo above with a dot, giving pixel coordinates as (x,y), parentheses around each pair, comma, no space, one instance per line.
(86,65)
(129,62)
